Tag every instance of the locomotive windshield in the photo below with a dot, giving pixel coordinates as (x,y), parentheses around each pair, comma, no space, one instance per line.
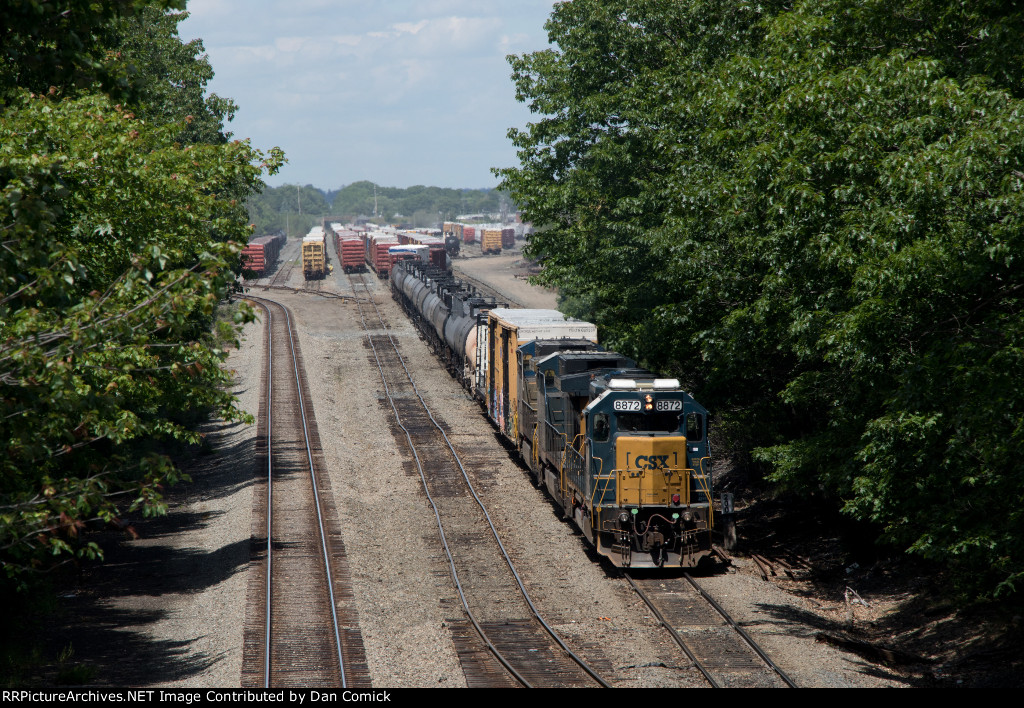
(654,422)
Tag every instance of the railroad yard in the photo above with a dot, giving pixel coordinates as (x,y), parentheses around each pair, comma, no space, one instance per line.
(184,605)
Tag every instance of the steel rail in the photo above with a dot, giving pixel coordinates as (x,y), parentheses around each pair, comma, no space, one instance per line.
(270,484)
(739,630)
(675,635)
(508,560)
(316,496)
(437,514)
(282,265)
(725,615)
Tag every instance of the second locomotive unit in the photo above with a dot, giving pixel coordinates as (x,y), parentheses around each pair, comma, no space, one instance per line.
(623,451)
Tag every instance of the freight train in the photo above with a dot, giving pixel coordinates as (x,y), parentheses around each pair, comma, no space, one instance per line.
(623,451)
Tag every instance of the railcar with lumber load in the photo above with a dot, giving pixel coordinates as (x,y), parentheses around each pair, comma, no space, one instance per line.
(260,255)
(490,241)
(314,254)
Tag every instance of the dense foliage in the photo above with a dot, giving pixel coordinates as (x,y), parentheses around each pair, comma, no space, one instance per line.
(812,211)
(417,203)
(121,207)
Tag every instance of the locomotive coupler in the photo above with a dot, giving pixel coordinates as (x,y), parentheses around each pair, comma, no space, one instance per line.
(653,539)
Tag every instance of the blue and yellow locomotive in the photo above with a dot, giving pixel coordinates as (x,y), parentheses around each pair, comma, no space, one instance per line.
(624,452)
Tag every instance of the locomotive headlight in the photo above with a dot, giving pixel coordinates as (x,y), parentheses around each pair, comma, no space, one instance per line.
(623,518)
(648,402)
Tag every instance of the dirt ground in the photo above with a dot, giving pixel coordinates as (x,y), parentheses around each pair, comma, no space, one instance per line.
(898,613)
(507,274)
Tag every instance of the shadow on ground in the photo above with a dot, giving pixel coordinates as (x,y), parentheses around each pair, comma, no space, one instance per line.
(102,632)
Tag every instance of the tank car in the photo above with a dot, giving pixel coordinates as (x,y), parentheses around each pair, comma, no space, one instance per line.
(451,315)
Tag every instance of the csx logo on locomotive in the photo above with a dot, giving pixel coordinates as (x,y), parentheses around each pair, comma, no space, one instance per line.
(651,463)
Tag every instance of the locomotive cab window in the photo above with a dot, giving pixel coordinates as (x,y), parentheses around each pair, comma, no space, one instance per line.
(601,428)
(694,427)
(658,422)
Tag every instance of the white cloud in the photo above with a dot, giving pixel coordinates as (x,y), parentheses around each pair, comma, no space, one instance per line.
(409,27)
(412,92)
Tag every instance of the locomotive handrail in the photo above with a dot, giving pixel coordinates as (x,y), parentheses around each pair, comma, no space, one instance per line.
(574,441)
(588,444)
(554,432)
(602,478)
(599,476)
(700,463)
(705,486)
(561,464)
(578,464)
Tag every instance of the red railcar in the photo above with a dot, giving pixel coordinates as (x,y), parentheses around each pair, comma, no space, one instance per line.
(351,252)
(377,256)
(261,254)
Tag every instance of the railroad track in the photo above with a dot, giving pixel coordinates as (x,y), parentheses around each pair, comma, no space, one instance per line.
(515,645)
(719,648)
(283,272)
(301,628)
(487,289)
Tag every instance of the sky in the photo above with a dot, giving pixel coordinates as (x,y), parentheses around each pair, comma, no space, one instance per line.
(396,92)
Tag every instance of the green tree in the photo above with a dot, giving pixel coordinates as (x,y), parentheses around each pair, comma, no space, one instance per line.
(166,77)
(118,241)
(289,208)
(811,211)
(62,43)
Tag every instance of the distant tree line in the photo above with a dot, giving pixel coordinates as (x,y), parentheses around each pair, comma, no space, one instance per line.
(813,212)
(295,208)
